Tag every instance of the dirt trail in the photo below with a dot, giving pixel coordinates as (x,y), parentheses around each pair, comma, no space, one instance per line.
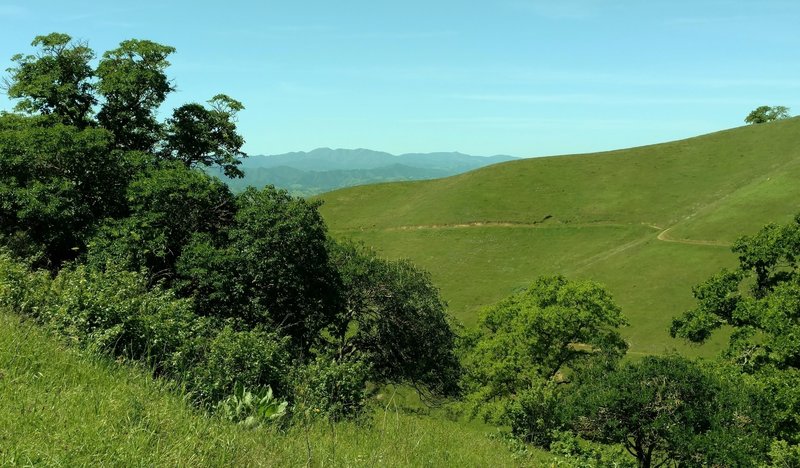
(663,236)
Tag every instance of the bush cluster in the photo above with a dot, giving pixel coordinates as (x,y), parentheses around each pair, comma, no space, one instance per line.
(115,236)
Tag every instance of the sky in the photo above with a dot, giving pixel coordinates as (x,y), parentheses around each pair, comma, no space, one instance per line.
(517,77)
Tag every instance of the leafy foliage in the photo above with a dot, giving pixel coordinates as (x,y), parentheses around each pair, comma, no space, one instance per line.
(200,136)
(216,362)
(554,327)
(759,299)
(332,389)
(272,268)
(167,207)
(112,312)
(56,183)
(252,409)
(670,410)
(538,413)
(133,83)
(394,319)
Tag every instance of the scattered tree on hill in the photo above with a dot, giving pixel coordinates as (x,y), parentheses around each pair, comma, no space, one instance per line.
(394,320)
(670,410)
(537,338)
(764,114)
(760,299)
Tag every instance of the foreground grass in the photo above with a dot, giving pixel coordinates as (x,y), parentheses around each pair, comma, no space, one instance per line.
(648,222)
(59,407)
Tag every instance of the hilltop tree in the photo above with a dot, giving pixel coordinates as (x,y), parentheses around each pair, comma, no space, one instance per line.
(764,114)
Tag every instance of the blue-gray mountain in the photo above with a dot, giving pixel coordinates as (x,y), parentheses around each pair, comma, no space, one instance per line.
(324,169)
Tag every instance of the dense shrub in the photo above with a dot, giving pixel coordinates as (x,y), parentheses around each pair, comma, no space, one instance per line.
(273,269)
(537,413)
(252,358)
(112,312)
(21,290)
(394,320)
(56,183)
(669,409)
(331,389)
(550,332)
(167,207)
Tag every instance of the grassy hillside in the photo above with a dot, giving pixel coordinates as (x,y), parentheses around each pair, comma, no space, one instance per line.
(59,407)
(649,222)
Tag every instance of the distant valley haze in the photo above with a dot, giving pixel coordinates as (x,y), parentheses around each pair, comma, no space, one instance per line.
(324,169)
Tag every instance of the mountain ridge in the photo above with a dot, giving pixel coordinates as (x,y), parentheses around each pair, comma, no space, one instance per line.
(324,169)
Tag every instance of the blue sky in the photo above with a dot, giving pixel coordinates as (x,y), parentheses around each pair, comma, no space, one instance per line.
(518,77)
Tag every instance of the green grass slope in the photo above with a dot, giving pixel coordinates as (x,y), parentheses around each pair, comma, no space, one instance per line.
(649,222)
(59,407)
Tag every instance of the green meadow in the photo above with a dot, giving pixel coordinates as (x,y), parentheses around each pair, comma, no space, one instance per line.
(648,222)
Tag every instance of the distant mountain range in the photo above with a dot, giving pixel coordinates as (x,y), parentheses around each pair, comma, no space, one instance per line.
(325,169)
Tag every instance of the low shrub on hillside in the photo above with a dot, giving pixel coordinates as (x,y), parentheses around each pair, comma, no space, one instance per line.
(253,358)
(331,389)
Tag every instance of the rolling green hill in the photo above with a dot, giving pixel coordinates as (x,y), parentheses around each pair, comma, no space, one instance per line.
(649,222)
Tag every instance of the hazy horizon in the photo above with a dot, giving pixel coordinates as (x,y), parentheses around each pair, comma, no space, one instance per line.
(516,77)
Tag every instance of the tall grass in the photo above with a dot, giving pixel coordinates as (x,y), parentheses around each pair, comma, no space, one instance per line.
(63,407)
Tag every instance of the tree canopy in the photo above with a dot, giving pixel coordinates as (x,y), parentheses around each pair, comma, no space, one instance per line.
(554,327)
(670,410)
(764,114)
(760,300)
(56,81)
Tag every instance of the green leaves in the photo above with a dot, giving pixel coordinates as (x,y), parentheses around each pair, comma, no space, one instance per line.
(767,319)
(394,319)
(670,409)
(544,333)
(252,409)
